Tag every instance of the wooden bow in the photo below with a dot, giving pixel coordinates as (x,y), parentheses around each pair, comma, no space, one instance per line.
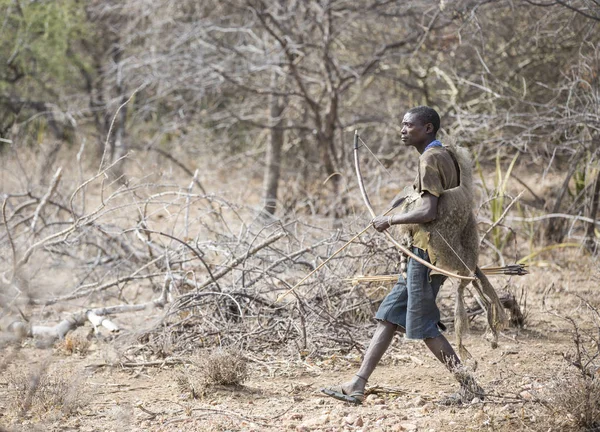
(404,250)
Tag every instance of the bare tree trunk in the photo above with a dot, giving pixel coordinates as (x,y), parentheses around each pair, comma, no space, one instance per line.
(590,231)
(273,158)
(118,146)
(329,156)
(95,83)
(555,230)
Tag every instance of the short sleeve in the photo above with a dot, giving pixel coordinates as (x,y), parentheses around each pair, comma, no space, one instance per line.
(430,177)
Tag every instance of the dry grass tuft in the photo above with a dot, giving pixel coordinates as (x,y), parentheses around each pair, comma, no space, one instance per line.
(575,395)
(74,343)
(574,401)
(581,400)
(41,392)
(222,367)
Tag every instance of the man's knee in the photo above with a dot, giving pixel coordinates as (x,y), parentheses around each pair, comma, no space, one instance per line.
(388,326)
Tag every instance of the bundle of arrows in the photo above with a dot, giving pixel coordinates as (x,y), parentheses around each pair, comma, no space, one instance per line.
(509,270)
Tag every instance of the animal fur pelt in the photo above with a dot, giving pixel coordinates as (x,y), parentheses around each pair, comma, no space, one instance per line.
(454,245)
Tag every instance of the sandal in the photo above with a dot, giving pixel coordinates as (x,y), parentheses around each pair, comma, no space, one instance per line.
(337,392)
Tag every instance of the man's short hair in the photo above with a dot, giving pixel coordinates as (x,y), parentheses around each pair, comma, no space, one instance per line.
(427,115)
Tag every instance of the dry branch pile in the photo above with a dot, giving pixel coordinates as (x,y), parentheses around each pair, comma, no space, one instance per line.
(99,247)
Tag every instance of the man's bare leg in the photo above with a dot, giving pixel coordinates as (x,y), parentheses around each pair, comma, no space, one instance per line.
(384,334)
(441,348)
(444,352)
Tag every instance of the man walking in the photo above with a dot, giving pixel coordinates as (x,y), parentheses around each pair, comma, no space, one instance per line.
(411,305)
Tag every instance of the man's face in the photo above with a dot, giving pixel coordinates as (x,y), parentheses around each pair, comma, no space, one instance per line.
(414,132)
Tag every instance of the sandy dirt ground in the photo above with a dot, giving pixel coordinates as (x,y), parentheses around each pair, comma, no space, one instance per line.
(283,393)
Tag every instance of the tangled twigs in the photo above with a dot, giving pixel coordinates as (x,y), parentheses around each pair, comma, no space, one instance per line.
(225,270)
(197,253)
(8,235)
(60,236)
(222,275)
(46,197)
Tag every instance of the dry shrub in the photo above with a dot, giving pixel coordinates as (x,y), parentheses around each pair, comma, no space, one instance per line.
(222,367)
(42,392)
(74,343)
(575,395)
(574,400)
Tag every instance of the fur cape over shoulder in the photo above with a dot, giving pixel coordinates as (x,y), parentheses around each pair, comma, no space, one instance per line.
(454,245)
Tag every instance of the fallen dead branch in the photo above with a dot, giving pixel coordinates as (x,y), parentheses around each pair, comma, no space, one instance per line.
(97,317)
(517,318)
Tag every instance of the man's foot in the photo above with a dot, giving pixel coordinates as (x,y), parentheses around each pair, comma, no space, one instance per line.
(337,392)
(352,391)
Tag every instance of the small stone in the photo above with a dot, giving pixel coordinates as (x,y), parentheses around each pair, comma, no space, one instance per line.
(315,421)
(526,395)
(359,422)
(320,401)
(296,416)
(350,419)
(418,401)
(408,426)
(417,360)
(506,407)
(475,400)
(425,409)
(478,416)
(371,398)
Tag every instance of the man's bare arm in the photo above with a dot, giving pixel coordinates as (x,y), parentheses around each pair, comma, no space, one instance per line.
(398,199)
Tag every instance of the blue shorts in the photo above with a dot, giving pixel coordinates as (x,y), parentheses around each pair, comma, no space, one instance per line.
(411,303)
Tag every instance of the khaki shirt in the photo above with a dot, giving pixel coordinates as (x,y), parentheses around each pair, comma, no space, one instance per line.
(437,172)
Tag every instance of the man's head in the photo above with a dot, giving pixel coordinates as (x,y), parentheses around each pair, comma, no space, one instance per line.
(420,126)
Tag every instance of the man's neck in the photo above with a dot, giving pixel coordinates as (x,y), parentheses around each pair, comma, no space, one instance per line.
(421,148)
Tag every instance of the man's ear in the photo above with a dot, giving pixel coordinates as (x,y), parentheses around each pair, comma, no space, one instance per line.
(429,128)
